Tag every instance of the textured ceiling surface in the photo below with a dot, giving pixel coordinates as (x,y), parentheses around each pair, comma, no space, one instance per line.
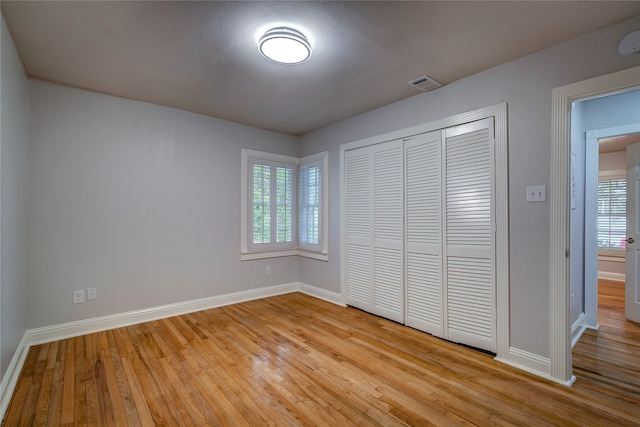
(202,56)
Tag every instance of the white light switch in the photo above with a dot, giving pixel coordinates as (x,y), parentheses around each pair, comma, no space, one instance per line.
(536,193)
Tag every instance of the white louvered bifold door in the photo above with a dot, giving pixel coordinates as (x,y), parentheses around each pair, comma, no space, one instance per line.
(469,272)
(358,175)
(388,225)
(423,233)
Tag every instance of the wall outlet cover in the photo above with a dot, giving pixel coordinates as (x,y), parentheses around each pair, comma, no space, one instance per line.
(536,193)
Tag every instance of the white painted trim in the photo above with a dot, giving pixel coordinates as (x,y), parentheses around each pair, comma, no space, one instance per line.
(533,364)
(527,361)
(577,329)
(562,98)
(591,251)
(323,294)
(343,230)
(11,376)
(607,275)
(313,255)
(269,254)
(499,114)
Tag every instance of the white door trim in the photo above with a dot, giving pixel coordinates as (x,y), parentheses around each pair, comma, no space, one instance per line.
(499,113)
(560,316)
(590,319)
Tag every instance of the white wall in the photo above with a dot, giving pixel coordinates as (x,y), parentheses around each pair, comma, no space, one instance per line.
(138,200)
(13,179)
(612,161)
(526,86)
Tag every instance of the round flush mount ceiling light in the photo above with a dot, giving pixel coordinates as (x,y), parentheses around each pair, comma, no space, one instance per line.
(285,45)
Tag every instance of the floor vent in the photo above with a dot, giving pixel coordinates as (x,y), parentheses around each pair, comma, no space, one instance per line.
(424,83)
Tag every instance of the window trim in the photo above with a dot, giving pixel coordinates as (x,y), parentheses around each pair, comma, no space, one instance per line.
(247,253)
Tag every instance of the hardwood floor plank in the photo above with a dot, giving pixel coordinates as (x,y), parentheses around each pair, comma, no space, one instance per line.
(67,416)
(293,360)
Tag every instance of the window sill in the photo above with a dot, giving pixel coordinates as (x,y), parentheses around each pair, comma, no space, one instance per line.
(262,255)
(278,254)
(314,255)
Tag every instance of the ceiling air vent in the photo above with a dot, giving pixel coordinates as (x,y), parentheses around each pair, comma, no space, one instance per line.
(424,83)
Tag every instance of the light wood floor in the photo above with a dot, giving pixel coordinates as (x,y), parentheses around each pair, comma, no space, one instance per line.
(295,360)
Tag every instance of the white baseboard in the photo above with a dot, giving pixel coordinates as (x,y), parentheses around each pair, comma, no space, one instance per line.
(607,275)
(11,376)
(333,297)
(577,329)
(532,363)
(103,323)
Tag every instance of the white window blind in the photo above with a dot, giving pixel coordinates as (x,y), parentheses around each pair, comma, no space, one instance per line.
(272,217)
(309,236)
(612,217)
(284,205)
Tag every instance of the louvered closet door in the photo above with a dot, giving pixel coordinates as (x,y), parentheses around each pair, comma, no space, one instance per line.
(469,271)
(388,213)
(423,233)
(358,195)
(374,229)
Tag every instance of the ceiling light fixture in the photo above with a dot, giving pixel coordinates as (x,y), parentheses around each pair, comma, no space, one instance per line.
(285,45)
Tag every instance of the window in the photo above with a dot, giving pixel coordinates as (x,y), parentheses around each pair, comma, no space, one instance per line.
(312,203)
(272,203)
(612,216)
(284,205)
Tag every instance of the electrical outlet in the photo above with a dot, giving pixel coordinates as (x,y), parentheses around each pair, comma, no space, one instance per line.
(268,270)
(91,293)
(78,296)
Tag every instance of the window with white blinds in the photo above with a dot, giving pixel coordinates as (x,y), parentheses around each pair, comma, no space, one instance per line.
(612,216)
(313,202)
(284,205)
(272,205)
(309,183)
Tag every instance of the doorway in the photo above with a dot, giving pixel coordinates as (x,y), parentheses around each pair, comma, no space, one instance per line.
(562,98)
(605,208)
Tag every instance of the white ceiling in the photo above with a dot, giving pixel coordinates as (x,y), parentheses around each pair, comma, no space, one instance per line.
(202,56)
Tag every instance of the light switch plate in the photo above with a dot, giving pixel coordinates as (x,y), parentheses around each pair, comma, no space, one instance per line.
(536,193)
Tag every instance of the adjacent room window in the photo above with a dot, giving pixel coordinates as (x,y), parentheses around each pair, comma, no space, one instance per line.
(612,216)
(284,205)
